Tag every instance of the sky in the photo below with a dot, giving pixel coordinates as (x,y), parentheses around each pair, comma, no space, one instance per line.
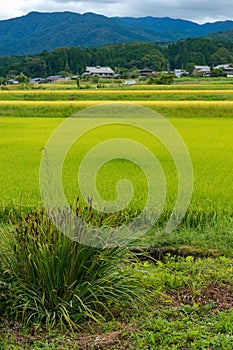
(199,11)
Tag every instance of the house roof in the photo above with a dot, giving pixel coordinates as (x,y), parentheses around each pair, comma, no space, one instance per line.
(54,77)
(99,70)
(146,70)
(36,79)
(202,67)
(224,66)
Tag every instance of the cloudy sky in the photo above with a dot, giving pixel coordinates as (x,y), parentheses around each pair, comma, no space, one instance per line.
(197,10)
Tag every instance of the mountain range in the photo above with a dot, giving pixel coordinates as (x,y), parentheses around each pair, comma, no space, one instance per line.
(37,32)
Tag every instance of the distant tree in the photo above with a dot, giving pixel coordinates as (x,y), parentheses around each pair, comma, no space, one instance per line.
(78,83)
(217,72)
(37,67)
(221,56)
(64,73)
(150,80)
(124,73)
(134,73)
(189,67)
(165,79)
(95,79)
(2,81)
(11,74)
(22,78)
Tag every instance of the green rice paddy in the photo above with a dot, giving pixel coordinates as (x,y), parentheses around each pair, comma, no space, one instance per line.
(205,126)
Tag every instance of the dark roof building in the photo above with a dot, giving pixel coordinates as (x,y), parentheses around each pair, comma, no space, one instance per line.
(145,72)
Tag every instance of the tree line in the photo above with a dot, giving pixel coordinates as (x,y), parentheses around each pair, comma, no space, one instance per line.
(121,57)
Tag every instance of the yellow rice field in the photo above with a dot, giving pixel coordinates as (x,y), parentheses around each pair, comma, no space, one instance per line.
(117,91)
(94,103)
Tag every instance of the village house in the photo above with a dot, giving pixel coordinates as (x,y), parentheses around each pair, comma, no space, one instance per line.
(145,72)
(12,81)
(56,78)
(179,72)
(201,71)
(227,68)
(36,81)
(101,72)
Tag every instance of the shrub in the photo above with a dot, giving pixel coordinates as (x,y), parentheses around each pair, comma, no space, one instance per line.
(59,281)
(165,79)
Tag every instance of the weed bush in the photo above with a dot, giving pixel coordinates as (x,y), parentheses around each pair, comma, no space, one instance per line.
(57,281)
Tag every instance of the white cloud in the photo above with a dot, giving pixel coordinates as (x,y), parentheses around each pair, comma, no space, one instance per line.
(104,6)
(197,10)
(10,8)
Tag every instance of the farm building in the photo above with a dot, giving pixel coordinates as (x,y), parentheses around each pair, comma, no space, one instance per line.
(36,80)
(179,72)
(56,78)
(201,70)
(12,81)
(101,72)
(145,72)
(228,69)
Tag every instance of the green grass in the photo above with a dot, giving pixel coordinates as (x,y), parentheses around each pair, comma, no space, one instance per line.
(119,95)
(189,308)
(210,239)
(38,111)
(64,109)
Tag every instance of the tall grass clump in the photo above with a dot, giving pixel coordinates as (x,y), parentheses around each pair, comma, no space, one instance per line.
(57,281)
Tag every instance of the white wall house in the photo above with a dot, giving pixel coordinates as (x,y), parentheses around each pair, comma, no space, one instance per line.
(228,69)
(179,72)
(101,72)
(201,70)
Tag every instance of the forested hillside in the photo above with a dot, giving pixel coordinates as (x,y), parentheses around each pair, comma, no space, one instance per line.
(182,54)
(74,59)
(199,51)
(226,36)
